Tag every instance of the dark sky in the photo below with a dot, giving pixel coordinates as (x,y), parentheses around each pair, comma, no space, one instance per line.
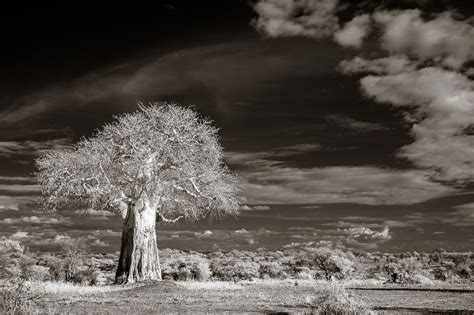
(323,155)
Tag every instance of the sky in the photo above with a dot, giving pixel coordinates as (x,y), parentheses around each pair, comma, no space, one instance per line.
(348,122)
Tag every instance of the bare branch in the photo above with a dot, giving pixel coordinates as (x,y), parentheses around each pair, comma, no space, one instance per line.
(166,220)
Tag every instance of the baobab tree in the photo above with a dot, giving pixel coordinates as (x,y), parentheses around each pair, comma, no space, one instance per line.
(160,163)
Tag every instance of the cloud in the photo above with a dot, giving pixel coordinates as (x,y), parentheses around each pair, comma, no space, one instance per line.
(17,180)
(262,158)
(367,234)
(353,32)
(16,188)
(252,208)
(440,105)
(94,212)
(354,124)
(273,182)
(14,202)
(437,103)
(443,39)
(386,65)
(33,220)
(261,208)
(100,243)
(19,235)
(310,18)
(221,76)
(11,148)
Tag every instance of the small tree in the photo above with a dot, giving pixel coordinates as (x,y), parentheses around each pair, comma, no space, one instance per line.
(329,262)
(161,162)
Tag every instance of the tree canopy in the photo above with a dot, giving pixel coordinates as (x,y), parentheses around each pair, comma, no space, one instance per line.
(163,154)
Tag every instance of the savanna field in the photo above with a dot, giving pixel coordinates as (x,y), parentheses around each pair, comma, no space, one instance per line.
(298,278)
(237,157)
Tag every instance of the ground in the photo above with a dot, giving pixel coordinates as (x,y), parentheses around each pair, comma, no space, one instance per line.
(250,297)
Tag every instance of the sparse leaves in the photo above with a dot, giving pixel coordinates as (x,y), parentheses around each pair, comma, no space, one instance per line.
(163,153)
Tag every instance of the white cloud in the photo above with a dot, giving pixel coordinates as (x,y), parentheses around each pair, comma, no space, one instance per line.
(33,220)
(354,124)
(261,208)
(310,18)
(100,243)
(386,65)
(19,188)
(272,182)
(258,208)
(94,212)
(10,148)
(353,32)
(220,73)
(14,202)
(442,39)
(366,233)
(19,235)
(441,107)
(17,179)
(262,158)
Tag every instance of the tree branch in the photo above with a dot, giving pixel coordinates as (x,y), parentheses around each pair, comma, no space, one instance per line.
(166,220)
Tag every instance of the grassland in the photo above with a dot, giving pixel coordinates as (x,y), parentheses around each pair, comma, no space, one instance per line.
(266,296)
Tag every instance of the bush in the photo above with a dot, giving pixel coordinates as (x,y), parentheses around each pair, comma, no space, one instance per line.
(18,297)
(272,270)
(402,272)
(304,273)
(177,265)
(335,299)
(230,268)
(441,273)
(463,271)
(55,266)
(11,246)
(329,263)
(37,273)
(85,277)
(73,259)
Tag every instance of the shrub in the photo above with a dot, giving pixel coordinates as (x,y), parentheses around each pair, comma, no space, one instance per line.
(20,265)
(329,263)
(304,273)
(37,273)
(85,277)
(55,266)
(402,272)
(18,297)
(10,246)
(177,265)
(463,271)
(73,259)
(272,270)
(229,268)
(335,299)
(441,273)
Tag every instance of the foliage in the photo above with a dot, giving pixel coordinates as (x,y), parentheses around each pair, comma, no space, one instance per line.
(402,272)
(330,263)
(231,268)
(335,299)
(164,154)
(56,267)
(73,259)
(177,265)
(272,270)
(18,297)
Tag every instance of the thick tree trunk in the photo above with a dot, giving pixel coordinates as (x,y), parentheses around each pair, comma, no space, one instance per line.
(139,259)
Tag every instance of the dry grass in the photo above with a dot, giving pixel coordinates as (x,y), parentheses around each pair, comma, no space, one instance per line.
(73,289)
(333,298)
(264,296)
(210,285)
